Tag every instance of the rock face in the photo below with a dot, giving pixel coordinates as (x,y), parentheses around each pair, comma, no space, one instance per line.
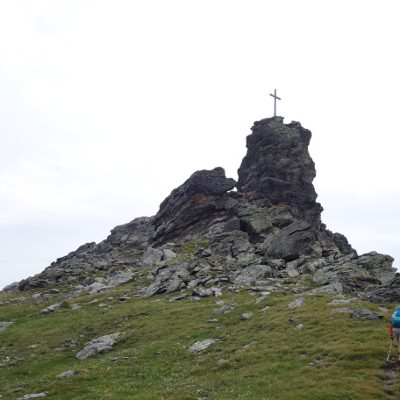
(207,238)
(192,205)
(278,167)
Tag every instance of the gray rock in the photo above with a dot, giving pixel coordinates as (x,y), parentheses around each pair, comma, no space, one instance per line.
(257,224)
(341,310)
(334,288)
(4,325)
(252,273)
(262,298)
(202,345)
(168,254)
(299,327)
(66,374)
(291,241)
(366,315)
(297,303)
(225,309)
(202,292)
(386,293)
(33,396)
(340,301)
(98,345)
(246,316)
(151,256)
(292,272)
(168,279)
(119,279)
(342,243)
(378,266)
(179,297)
(102,284)
(50,309)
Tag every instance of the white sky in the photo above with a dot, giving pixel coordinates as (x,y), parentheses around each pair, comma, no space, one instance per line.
(106,106)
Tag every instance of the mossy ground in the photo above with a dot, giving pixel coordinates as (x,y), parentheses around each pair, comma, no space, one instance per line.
(332,357)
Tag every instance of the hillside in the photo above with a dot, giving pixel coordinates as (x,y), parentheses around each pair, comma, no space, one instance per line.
(308,352)
(222,294)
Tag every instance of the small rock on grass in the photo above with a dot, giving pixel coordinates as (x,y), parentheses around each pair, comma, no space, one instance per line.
(4,325)
(366,315)
(50,309)
(179,297)
(297,303)
(33,396)
(98,345)
(340,301)
(202,345)
(261,298)
(224,309)
(341,310)
(66,374)
(246,316)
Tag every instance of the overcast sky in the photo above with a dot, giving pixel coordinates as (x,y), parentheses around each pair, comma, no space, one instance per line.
(106,106)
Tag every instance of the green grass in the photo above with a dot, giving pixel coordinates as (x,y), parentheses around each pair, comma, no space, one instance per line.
(332,357)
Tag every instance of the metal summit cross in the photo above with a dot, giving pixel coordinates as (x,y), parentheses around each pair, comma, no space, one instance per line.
(275,98)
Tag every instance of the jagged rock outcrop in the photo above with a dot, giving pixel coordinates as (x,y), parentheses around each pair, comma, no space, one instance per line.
(207,236)
(279,168)
(117,253)
(193,205)
(385,293)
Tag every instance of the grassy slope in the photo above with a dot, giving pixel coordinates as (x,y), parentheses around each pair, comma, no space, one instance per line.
(332,357)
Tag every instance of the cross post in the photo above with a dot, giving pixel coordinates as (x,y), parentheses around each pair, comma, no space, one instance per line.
(275,98)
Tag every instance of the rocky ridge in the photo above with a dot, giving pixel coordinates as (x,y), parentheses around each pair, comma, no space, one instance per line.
(207,237)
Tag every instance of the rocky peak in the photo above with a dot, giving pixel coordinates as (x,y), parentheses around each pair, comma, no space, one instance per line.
(279,168)
(206,237)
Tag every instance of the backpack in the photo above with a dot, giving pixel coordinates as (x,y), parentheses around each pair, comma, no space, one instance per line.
(396,319)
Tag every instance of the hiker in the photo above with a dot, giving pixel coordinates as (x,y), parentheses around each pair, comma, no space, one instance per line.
(394,328)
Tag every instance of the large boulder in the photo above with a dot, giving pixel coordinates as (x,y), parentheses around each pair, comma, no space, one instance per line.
(191,207)
(291,241)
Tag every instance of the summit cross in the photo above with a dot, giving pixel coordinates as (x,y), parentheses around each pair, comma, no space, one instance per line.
(275,98)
